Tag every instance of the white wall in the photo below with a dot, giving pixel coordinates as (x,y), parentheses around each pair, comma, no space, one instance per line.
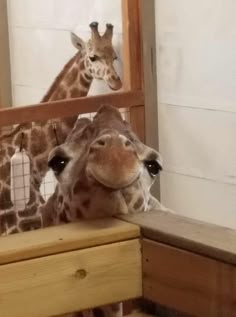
(197,107)
(40,40)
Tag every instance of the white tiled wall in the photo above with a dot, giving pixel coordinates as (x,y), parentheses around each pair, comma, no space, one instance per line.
(40,40)
(197,107)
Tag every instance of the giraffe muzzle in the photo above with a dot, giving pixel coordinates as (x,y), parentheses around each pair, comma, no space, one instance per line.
(113,162)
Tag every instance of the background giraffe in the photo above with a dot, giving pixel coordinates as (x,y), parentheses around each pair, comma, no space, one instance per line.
(94,59)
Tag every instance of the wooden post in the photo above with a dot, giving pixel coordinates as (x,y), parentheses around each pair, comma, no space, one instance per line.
(133,64)
(140,69)
(5,72)
(147,11)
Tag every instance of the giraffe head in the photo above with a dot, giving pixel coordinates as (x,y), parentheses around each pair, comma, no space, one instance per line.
(99,55)
(101,163)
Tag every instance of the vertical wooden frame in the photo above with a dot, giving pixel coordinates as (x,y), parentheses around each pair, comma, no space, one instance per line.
(133,60)
(5,72)
(140,68)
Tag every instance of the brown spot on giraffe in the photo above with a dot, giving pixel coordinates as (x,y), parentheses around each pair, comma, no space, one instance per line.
(138,204)
(11,150)
(84,82)
(98,312)
(60,199)
(75,93)
(87,77)
(80,186)
(3,153)
(22,139)
(5,199)
(5,170)
(82,66)
(41,165)
(66,207)
(63,217)
(9,218)
(127,196)
(86,203)
(60,94)
(72,76)
(79,213)
(30,224)
(38,142)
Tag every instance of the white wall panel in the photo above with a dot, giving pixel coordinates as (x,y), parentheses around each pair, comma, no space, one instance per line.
(196,54)
(198,142)
(63,14)
(205,200)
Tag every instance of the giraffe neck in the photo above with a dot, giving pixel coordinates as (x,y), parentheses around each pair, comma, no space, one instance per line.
(72,82)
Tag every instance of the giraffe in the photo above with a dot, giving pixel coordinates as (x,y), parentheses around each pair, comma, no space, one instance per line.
(94,59)
(102,169)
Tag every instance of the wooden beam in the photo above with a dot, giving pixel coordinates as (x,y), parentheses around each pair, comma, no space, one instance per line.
(71,281)
(147,9)
(67,108)
(47,241)
(198,237)
(132,59)
(5,71)
(190,283)
(137,115)
(132,43)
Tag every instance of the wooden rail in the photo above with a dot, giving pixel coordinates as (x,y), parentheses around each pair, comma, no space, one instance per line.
(188,265)
(195,236)
(69,268)
(67,108)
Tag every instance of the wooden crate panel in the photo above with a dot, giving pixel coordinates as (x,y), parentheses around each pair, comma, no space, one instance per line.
(64,238)
(71,281)
(188,282)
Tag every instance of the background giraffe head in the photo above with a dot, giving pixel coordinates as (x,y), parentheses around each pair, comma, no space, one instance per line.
(99,55)
(102,166)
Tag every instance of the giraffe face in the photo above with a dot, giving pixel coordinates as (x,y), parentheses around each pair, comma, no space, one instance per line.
(100,56)
(101,157)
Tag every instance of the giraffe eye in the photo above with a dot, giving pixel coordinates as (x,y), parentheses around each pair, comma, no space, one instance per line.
(58,163)
(153,167)
(93,58)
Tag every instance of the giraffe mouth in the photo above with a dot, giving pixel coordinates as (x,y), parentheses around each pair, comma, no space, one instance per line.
(115,185)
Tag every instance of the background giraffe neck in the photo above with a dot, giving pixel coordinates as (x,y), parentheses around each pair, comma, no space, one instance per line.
(72,82)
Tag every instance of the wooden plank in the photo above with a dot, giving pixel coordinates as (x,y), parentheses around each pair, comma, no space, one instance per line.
(5,71)
(150,78)
(71,281)
(150,73)
(199,237)
(69,107)
(188,282)
(133,62)
(132,45)
(64,238)
(137,115)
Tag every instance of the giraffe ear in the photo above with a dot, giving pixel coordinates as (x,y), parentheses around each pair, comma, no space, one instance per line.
(77,41)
